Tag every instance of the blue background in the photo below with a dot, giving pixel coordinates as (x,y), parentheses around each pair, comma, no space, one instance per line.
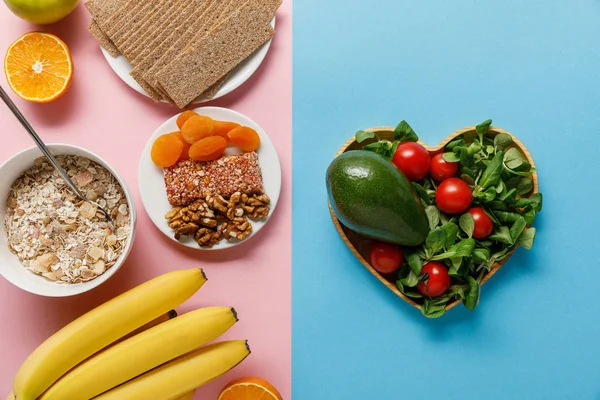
(533,67)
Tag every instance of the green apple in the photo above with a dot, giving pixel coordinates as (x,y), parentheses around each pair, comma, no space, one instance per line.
(41,11)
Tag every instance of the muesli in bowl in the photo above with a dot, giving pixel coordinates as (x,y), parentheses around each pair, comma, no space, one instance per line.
(59,236)
(54,236)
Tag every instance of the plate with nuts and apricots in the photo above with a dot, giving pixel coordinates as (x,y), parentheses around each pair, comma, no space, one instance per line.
(209,178)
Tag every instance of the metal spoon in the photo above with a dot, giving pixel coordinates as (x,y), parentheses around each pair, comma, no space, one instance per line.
(15,110)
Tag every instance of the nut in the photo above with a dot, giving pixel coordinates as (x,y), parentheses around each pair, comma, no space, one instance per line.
(257,207)
(186,229)
(172,213)
(215,218)
(208,237)
(197,213)
(238,229)
(217,202)
(235,207)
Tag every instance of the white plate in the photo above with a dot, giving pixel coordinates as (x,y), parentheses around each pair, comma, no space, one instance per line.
(240,74)
(154,192)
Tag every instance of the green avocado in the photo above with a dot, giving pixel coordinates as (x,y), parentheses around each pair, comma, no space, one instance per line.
(369,195)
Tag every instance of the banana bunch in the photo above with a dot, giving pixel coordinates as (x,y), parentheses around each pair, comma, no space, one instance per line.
(133,347)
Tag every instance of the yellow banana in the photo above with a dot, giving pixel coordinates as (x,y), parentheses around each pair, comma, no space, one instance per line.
(141,353)
(102,326)
(163,318)
(187,396)
(183,374)
(12,397)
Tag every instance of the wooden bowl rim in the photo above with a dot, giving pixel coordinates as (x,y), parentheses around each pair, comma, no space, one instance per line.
(432,149)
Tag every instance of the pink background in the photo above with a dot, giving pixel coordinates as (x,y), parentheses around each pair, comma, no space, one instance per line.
(101,113)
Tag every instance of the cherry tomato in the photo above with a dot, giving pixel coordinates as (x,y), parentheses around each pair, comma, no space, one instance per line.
(412,159)
(438,281)
(453,196)
(386,258)
(441,169)
(483,223)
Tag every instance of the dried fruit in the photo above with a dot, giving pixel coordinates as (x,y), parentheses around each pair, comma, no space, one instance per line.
(245,138)
(166,150)
(184,116)
(208,149)
(185,153)
(87,210)
(197,128)
(222,128)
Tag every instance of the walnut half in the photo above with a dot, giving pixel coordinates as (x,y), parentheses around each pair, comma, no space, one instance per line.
(238,229)
(186,229)
(257,206)
(206,237)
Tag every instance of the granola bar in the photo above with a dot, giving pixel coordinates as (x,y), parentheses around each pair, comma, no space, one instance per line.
(190,180)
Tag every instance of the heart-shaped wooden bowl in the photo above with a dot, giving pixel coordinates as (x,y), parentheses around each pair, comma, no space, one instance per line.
(360,245)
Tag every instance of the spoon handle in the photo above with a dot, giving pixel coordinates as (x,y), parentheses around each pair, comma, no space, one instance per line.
(15,110)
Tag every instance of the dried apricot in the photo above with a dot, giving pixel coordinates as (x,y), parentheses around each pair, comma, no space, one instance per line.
(197,128)
(184,116)
(166,150)
(208,149)
(245,138)
(222,128)
(185,153)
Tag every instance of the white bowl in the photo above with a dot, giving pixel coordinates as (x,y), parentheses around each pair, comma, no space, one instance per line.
(10,266)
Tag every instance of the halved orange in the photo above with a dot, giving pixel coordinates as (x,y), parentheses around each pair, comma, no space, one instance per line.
(38,67)
(249,388)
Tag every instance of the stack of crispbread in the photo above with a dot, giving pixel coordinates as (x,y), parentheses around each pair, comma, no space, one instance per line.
(182,49)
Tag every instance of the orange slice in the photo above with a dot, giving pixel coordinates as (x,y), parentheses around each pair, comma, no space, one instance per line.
(38,67)
(249,388)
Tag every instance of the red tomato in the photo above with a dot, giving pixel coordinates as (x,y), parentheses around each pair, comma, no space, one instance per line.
(386,258)
(438,281)
(453,196)
(412,159)
(441,169)
(483,223)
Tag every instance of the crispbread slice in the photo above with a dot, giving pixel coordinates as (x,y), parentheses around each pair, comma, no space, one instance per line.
(154,28)
(193,11)
(221,8)
(185,39)
(179,15)
(166,45)
(103,9)
(214,89)
(114,22)
(145,12)
(212,56)
(143,47)
(155,12)
(156,49)
(103,40)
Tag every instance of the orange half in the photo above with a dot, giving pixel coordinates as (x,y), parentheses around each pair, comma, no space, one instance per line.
(38,67)
(249,388)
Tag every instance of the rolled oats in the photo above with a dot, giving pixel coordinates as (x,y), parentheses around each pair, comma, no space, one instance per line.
(56,235)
